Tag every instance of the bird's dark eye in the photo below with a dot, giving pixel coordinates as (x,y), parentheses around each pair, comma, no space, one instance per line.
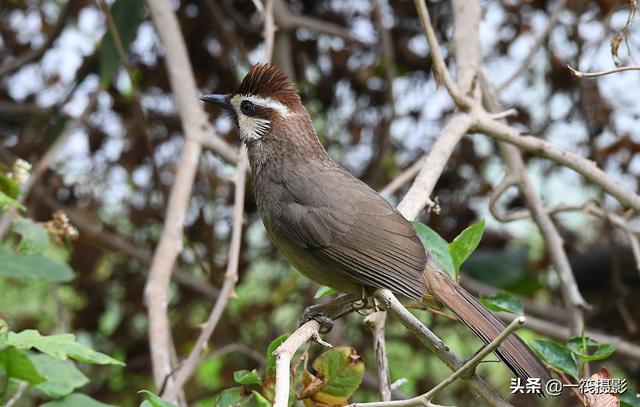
(247,107)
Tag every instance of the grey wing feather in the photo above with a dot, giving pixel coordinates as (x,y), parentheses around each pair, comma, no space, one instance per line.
(365,238)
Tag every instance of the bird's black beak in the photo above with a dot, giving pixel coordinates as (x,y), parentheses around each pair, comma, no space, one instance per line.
(221,100)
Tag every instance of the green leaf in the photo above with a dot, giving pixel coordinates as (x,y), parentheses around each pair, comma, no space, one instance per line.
(126,15)
(76,400)
(588,349)
(9,187)
(268,384)
(323,291)
(341,370)
(247,377)
(260,400)
(63,377)
(210,374)
(465,243)
(61,346)
(630,398)
(230,397)
(437,246)
(503,301)
(34,238)
(555,355)
(155,400)
(507,269)
(17,365)
(33,266)
(6,202)
(271,360)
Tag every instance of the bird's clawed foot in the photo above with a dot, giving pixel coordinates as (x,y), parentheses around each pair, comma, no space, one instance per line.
(311,313)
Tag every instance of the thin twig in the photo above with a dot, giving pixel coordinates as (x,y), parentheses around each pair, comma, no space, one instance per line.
(405,176)
(439,66)
(435,345)
(22,388)
(230,278)
(398,383)
(468,367)
(580,74)
(418,195)
(504,114)
(526,62)
(240,348)
(287,20)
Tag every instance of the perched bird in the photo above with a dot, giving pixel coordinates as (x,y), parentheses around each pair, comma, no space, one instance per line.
(330,225)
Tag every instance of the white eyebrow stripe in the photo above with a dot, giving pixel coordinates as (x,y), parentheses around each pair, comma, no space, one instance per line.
(268,102)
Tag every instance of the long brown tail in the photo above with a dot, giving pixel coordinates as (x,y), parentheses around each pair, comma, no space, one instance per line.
(513,351)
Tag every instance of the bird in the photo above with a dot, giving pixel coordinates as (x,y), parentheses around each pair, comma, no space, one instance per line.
(334,228)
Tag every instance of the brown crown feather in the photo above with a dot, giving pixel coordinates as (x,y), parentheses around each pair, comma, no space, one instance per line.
(269,81)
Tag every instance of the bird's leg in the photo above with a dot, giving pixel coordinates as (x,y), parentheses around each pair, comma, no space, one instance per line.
(325,313)
(361,303)
(376,308)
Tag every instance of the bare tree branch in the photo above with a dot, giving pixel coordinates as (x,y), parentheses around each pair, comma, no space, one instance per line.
(375,321)
(283,356)
(188,366)
(439,66)
(467,49)
(269,29)
(573,300)
(196,128)
(418,195)
(285,352)
(485,124)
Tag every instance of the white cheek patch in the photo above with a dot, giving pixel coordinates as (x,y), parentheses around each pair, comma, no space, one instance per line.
(252,128)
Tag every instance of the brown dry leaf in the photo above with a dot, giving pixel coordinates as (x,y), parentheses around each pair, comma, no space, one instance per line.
(311,384)
(605,399)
